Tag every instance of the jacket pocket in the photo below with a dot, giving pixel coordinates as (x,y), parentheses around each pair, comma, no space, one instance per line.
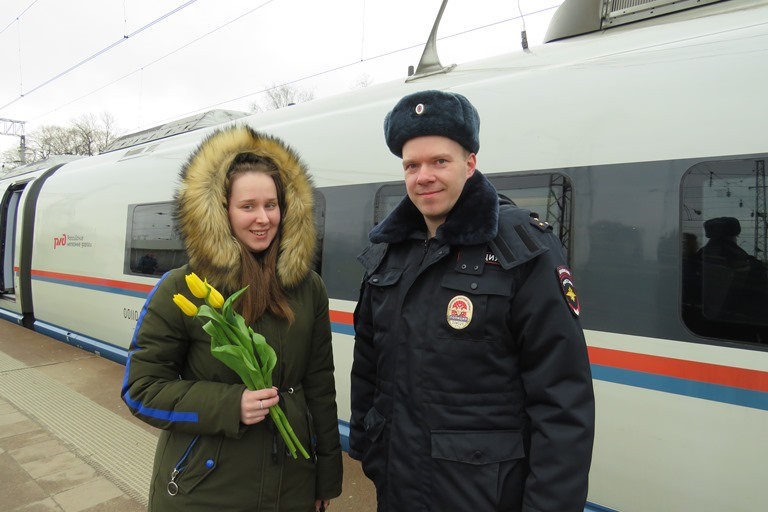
(388,277)
(374,460)
(194,461)
(383,299)
(477,470)
(474,307)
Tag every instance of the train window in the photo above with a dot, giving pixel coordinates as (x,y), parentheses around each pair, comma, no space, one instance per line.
(154,247)
(387,198)
(152,244)
(724,250)
(547,195)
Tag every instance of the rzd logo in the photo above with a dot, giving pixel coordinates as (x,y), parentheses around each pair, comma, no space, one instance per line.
(59,241)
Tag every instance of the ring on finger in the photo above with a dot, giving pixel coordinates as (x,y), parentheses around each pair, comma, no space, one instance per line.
(261,405)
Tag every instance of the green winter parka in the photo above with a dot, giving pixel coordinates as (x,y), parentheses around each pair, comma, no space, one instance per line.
(206,459)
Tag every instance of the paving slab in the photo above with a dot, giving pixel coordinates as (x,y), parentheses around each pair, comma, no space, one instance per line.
(65,433)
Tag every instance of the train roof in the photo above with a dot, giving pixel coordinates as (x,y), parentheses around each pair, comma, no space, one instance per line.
(644,91)
(187,124)
(39,165)
(576,17)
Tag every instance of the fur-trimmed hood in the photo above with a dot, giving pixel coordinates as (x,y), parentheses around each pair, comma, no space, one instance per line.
(474,218)
(201,208)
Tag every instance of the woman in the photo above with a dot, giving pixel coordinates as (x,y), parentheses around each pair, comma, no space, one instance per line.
(244,211)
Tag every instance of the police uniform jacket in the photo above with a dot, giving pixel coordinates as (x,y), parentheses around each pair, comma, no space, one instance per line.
(206,459)
(471,386)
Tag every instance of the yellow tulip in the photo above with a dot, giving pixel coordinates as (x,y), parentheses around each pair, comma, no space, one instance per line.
(215,299)
(185,305)
(196,286)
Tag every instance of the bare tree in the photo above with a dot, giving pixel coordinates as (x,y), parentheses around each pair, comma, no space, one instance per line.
(94,134)
(363,81)
(87,135)
(279,96)
(11,158)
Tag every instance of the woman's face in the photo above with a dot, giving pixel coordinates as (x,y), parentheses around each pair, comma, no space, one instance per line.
(254,212)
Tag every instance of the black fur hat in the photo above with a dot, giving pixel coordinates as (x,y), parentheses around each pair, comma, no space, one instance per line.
(722,227)
(441,113)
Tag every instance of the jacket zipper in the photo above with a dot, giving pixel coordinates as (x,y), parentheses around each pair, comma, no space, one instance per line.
(173,487)
(426,250)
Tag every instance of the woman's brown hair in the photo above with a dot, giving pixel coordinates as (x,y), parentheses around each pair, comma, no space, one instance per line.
(259,271)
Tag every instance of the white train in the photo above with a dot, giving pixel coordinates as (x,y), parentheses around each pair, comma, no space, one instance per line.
(626,137)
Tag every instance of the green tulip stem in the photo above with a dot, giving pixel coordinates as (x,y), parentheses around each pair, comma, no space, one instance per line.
(277,418)
(292,434)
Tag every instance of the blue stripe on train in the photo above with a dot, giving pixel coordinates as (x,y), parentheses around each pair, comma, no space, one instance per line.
(89,286)
(703,390)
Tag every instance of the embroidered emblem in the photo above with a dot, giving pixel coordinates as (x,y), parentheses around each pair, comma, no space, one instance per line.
(459,313)
(419,109)
(569,291)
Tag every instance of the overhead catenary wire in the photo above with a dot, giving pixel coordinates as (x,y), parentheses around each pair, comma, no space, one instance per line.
(290,82)
(142,68)
(16,19)
(100,52)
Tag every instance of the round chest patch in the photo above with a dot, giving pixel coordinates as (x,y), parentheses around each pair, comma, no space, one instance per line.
(459,313)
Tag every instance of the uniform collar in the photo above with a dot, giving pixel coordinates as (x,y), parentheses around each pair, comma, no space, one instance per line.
(473,219)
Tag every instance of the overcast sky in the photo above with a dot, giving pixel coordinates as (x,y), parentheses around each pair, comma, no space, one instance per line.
(151,61)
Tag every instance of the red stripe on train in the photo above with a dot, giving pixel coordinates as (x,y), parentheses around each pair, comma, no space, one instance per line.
(690,370)
(123,285)
(341,317)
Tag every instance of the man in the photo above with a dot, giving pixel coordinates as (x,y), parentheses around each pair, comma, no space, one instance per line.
(471,387)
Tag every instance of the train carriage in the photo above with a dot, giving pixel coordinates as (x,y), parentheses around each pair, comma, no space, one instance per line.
(626,139)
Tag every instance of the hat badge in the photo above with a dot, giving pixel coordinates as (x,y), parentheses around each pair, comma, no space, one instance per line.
(419,109)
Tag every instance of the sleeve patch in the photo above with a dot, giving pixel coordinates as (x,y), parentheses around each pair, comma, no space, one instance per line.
(569,290)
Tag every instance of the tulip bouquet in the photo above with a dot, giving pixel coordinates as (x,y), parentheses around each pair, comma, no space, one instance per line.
(238,346)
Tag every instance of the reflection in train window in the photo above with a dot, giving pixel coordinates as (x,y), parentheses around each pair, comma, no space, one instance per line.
(724,237)
(546,195)
(153,246)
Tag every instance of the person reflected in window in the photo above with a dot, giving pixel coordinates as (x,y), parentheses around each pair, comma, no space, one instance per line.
(733,284)
(148,263)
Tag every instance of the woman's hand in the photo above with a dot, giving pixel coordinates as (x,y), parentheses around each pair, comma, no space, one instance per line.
(254,405)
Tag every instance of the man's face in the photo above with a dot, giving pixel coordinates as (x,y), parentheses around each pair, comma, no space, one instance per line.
(436,169)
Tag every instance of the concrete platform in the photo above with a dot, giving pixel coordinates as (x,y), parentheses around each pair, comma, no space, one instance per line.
(68,443)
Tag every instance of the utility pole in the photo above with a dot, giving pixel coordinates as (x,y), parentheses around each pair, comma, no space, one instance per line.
(559,208)
(11,127)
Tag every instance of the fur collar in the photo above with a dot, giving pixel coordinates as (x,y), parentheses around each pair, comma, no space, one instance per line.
(473,220)
(201,211)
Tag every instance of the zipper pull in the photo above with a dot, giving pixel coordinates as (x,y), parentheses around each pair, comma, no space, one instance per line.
(173,487)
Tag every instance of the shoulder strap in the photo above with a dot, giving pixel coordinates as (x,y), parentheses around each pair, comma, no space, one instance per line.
(519,236)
